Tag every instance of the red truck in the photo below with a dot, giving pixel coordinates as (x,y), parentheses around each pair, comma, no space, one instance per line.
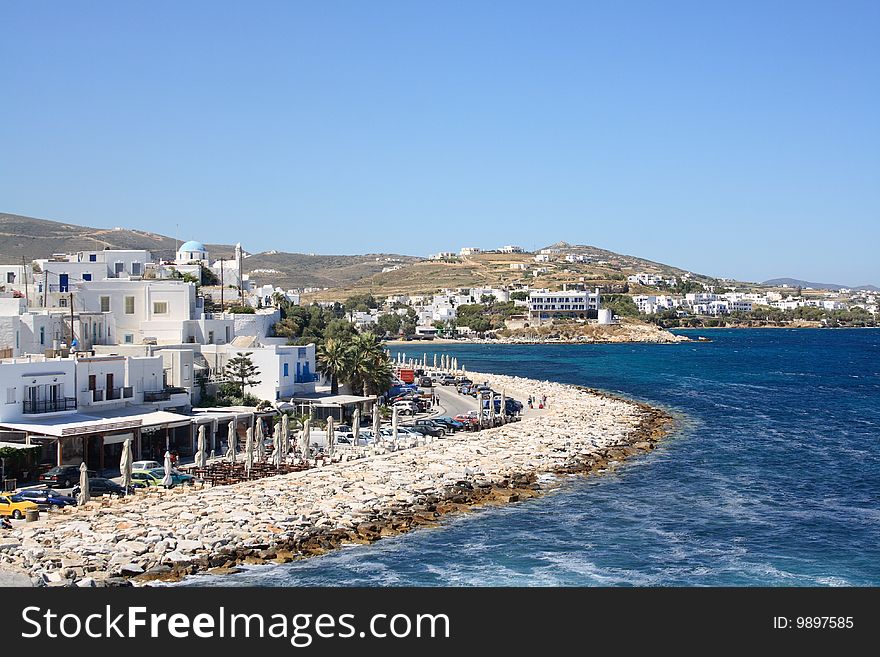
(407,375)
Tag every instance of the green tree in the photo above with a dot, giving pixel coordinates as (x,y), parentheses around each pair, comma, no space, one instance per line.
(519,296)
(333,361)
(242,370)
(390,323)
(369,369)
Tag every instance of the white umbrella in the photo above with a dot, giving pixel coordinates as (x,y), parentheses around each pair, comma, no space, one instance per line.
(356,425)
(249,450)
(84,495)
(285,435)
(394,419)
(276,443)
(125,463)
(304,439)
(455,363)
(167,481)
(231,440)
(201,453)
(331,436)
(491,408)
(435,361)
(424,360)
(377,424)
(503,408)
(260,437)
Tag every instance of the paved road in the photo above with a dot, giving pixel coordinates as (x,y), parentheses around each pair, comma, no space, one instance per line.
(452,403)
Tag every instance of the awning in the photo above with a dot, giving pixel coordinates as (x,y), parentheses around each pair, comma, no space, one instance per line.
(117,420)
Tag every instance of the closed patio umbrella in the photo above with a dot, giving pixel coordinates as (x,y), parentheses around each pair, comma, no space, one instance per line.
(285,436)
(377,423)
(492,408)
(394,420)
(331,436)
(84,495)
(276,451)
(503,407)
(167,481)
(201,448)
(435,361)
(231,440)
(249,450)
(125,463)
(260,437)
(356,425)
(304,439)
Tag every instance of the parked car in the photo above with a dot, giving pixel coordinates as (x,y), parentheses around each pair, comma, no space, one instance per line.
(99,486)
(15,508)
(450,423)
(406,407)
(470,421)
(45,498)
(446,380)
(433,424)
(145,465)
(428,430)
(63,476)
(426,382)
(155,476)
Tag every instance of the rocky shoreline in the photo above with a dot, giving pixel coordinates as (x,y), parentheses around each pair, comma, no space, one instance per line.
(167,535)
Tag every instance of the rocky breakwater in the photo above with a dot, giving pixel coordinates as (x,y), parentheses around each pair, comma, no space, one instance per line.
(169,534)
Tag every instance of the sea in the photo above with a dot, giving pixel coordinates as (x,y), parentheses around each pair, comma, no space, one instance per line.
(770,476)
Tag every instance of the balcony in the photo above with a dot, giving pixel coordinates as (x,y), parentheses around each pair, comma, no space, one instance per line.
(156,395)
(32,407)
(112,394)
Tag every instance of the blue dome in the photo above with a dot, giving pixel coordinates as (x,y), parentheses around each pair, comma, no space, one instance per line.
(192,245)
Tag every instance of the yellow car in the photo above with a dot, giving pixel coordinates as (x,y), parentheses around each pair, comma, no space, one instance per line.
(10,506)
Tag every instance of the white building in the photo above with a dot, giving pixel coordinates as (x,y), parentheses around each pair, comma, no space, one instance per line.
(284,370)
(469,250)
(542,257)
(519,265)
(511,249)
(651,280)
(443,255)
(578,304)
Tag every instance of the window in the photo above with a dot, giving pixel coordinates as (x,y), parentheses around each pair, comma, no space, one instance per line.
(286,369)
(160,307)
(128,339)
(87,277)
(210,337)
(135,269)
(119,267)
(129,305)
(105,304)
(42,335)
(62,302)
(93,257)
(10,395)
(10,277)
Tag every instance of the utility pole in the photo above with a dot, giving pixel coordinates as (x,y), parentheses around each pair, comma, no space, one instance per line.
(45,288)
(222,261)
(70,344)
(24,273)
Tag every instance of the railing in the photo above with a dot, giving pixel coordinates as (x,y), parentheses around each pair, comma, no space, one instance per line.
(156,395)
(32,407)
(111,394)
(305,378)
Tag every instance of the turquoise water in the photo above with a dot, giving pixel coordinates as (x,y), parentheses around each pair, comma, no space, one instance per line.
(772,477)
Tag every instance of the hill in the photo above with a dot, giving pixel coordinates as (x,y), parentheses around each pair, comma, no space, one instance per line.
(796,282)
(33,238)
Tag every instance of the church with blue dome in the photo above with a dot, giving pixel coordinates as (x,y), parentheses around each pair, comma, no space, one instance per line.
(191,251)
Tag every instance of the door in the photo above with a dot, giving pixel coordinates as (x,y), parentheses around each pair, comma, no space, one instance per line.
(63,282)
(110,387)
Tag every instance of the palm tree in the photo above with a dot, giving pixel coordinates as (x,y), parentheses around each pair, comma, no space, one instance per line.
(333,360)
(367,357)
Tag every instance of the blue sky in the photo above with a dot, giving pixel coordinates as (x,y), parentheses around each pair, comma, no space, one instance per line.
(731,138)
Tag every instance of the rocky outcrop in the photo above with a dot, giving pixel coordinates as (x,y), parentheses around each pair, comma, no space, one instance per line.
(169,534)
